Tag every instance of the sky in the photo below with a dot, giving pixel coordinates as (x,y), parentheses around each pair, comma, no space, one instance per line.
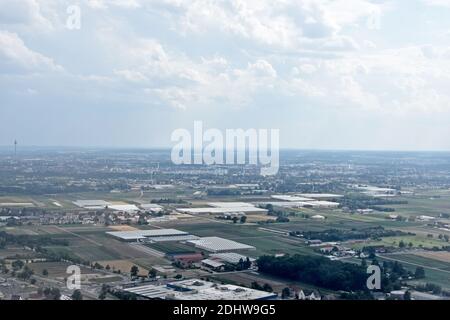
(329,74)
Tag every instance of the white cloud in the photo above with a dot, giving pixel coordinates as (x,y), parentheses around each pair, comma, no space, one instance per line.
(105,4)
(24,13)
(15,56)
(440,3)
(294,48)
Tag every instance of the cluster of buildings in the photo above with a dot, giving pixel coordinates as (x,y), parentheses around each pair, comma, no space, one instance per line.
(222,252)
(195,289)
(336,251)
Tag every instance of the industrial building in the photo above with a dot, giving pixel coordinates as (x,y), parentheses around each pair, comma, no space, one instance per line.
(222,210)
(320,195)
(216,244)
(157,235)
(92,204)
(302,204)
(225,207)
(230,204)
(291,198)
(230,257)
(128,208)
(304,200)
(151,207)
(194,289)
(213,264)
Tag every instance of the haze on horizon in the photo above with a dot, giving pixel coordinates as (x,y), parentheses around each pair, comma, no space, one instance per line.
(330,74)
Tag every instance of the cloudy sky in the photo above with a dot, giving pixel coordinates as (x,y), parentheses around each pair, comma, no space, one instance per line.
(330,74)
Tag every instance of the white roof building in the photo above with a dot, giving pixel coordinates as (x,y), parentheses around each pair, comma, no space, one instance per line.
(230,204)
(147,234)
(129,208)
(216,244)
(291,198)
(151,207)
(194,289)
(91,204)
(212,263)
(219,210)
(320,195)
(230,257)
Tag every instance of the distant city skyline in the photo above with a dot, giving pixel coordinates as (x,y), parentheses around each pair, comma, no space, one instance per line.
(330,75)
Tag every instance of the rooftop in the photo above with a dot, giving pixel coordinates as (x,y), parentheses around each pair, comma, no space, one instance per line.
(230,257)
(91,203)
(222,210)
(142,234)
(194,289)
(216,244)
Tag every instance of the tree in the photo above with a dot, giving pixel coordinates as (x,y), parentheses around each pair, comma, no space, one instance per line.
(25,274)
(104,291)
(134,271)
(407,295)
(285,293)
(152,273)
(420,273)
(267,287)
(318,271)
(52,293)
(402,244)
(364,263)
(235,219)
(247,263)
(255,285)
(45,272)
(17,265)
(77,295)
(243,219)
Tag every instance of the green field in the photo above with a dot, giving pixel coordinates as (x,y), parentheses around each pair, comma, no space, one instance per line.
(172,247)
(436,272)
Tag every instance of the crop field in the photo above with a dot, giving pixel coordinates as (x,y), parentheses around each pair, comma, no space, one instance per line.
(209,228)
(440,256)
(123,266)
(427,204)
(18,252)
(172,247)
(246,279)
(436,272)
(270,244)
(417,241)
(56,269)
(90,242)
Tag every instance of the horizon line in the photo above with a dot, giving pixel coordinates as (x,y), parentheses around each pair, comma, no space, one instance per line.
(170,147)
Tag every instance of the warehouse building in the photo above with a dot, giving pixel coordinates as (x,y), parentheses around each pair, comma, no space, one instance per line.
(157,235)
(230,257)
(216,244)
(92,204)
(222,210)
(194,289)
